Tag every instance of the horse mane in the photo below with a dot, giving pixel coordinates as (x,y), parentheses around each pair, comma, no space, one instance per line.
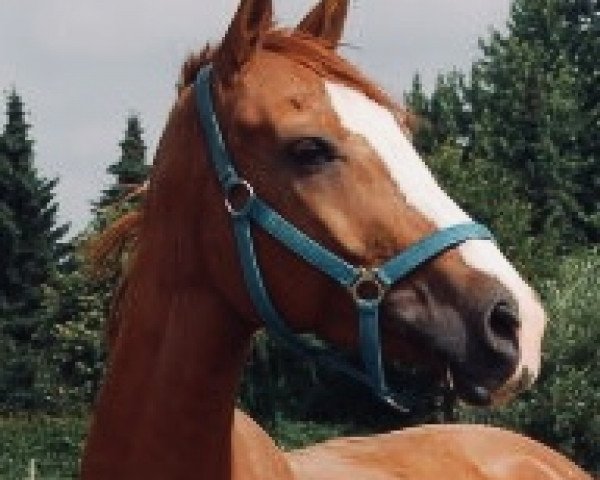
(110,247)
(313,53)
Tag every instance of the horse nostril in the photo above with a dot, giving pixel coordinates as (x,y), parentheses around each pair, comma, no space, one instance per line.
(501,328)
(503,321)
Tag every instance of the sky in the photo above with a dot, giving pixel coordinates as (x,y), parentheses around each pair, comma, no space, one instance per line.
(83,66)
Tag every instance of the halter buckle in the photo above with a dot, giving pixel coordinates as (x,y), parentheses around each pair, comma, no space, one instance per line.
(247,197)
(368,287)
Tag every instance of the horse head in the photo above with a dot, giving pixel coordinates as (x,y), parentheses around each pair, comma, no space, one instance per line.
(330,152)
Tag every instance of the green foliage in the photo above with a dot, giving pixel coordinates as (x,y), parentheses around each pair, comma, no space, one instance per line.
(563,409)
(535,114)
(77,307)
(291,434)
(445,116)
(531,106)
(52,312)
(32,252)
(54,443)
(131,169)
(490,193)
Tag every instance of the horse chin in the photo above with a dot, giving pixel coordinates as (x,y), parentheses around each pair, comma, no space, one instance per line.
(474,393)
(520,382)
(469,391)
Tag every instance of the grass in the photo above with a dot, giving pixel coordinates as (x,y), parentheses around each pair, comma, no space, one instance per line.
(54,443)
(291,434)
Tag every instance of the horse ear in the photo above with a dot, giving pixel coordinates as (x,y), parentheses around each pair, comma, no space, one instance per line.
(326,21)
(252,20)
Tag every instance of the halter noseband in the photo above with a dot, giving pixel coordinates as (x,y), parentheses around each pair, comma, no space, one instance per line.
(356,280)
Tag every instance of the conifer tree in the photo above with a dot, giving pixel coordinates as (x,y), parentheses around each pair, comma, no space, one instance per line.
(32,250)
(131,168)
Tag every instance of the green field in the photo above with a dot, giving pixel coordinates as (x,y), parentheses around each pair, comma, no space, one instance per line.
(54,444)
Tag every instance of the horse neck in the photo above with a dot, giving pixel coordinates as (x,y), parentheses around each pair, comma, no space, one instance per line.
(167,404)
(166,407)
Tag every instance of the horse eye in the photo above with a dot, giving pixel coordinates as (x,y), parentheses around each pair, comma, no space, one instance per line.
(311,151)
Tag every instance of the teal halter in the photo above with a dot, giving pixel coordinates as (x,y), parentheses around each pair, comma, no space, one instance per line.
(356,280)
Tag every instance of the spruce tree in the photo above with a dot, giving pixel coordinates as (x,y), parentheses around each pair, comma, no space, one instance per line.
(131,169)
(32,250)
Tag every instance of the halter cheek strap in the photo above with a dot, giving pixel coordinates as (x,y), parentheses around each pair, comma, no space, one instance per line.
(356,280)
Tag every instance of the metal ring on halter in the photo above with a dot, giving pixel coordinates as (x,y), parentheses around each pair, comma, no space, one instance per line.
(368,278)
(251,195)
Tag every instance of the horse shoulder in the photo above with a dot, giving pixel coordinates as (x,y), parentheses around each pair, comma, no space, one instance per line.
(468,452)
(255,455)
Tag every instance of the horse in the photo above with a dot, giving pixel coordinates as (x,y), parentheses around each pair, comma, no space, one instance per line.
(285,190)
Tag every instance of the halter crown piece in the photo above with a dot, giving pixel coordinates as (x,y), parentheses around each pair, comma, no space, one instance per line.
(366,286)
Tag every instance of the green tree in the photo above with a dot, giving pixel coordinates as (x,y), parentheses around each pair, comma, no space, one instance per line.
(76,307)
(581,39)
(449,113)
(131,169)
(32,250)
(535,116)
(444,116)
(532,106)
(490,193)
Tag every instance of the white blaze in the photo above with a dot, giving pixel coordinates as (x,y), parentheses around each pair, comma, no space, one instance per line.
(360,115)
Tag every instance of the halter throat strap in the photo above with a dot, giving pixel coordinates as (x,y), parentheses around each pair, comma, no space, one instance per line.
(352,278)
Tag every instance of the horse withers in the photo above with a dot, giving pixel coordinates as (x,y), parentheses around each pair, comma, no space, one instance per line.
(285,186)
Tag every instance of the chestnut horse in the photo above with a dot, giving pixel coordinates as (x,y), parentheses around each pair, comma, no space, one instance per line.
(329,151)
